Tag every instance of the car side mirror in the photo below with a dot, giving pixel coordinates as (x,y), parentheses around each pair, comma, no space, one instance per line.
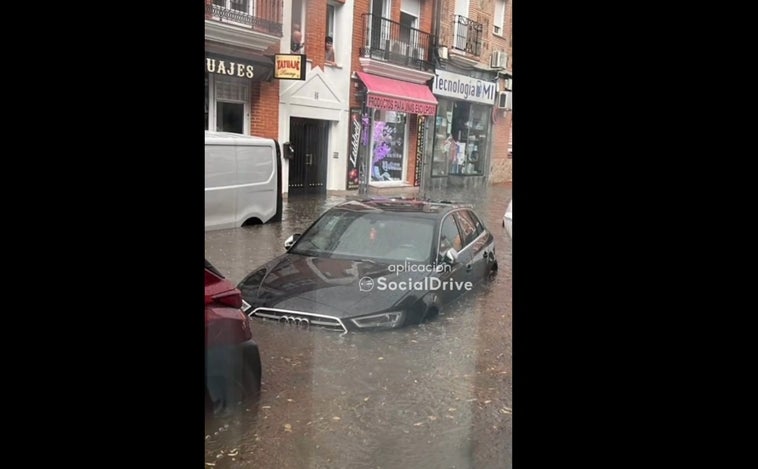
(451,256)
(291,240)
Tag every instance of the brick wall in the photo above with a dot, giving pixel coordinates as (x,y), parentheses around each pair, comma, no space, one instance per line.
(500,164)
(361,7)
(315,32)
(264,116)
(427,16)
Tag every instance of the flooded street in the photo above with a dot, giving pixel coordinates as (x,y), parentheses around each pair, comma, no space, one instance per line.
(436,395)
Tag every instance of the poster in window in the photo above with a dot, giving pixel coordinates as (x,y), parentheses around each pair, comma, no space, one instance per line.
(387,156)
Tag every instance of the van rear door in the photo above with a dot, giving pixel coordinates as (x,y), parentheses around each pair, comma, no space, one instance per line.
(220,174)
(256,181)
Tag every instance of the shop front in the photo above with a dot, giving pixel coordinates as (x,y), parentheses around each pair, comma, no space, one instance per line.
(462,130)
(230,84)
(391,123)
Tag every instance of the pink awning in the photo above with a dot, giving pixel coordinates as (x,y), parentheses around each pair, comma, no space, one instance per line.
(396,95)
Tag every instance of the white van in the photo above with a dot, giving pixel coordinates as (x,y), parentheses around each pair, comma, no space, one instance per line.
(242,180)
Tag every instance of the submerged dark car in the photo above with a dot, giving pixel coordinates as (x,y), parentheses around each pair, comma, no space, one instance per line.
(373,264)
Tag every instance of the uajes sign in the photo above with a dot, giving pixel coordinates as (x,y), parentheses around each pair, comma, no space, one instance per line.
(239,67)
(234,69)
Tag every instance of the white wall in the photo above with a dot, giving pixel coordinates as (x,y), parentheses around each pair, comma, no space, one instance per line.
(325,94)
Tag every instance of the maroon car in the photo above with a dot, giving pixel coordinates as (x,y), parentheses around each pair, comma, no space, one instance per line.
(232,359)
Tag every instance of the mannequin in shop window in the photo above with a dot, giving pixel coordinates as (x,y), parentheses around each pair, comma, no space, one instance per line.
(451,147)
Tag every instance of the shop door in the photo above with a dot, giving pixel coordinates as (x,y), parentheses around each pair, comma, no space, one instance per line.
(307,173)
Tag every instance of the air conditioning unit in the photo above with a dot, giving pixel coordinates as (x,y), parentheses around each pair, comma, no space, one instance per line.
(498,59)
(505,100)
(508,84)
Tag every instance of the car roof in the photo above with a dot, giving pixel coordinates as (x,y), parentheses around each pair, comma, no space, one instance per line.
(429,208)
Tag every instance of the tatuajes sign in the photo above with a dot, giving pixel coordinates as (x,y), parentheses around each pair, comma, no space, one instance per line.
(289,66)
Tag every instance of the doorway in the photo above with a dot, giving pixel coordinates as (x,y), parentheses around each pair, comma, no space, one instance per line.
(307,169)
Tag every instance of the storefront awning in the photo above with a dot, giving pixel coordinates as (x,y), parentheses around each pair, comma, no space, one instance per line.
(396,95)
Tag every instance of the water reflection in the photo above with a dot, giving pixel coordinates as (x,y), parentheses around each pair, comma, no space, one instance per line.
(436,395)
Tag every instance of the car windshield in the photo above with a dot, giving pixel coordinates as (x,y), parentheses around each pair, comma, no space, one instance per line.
(377,236)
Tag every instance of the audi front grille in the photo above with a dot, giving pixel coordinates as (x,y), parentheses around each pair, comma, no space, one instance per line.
(299,319)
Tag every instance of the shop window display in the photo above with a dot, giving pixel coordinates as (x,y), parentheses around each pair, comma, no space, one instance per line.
(387,146)
(461,135)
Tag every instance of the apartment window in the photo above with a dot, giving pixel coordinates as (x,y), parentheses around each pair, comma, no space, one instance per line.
(498,20)
(330,27)
(242,6)
(239,5)
(298,27)
(332,31)
(410,10)
(234,11)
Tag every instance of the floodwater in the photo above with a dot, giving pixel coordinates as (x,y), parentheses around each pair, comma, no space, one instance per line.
(436,395)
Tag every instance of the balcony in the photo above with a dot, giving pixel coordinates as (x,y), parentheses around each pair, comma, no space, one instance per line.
(467,36)
(395,50)
(250,24)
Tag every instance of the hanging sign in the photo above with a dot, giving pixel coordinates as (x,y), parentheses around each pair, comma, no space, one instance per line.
(289,66)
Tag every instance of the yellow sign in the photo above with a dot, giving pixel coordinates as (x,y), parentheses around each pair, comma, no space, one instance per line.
(289,66)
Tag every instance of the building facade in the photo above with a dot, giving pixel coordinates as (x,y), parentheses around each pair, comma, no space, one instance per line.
(395,93)
(391,101)
(310,115)
(472,85)
(240,36)
(314,114)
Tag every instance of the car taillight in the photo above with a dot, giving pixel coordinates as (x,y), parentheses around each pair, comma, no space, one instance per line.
(231,298)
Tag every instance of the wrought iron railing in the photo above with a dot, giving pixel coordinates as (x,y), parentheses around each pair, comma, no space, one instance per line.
(393,42)
(259,15)
(467,35)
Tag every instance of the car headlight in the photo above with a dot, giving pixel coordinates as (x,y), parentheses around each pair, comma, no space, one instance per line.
(389,319)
